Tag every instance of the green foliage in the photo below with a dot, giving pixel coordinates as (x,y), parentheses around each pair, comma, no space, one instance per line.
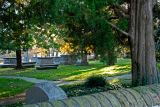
(81,89)
(86,24)
(95,81)
(156,17)
(123,23)
(44,35)
(15,23)
(21,19)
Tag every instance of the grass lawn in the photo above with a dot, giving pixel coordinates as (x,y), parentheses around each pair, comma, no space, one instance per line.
(11,87)
(72,72)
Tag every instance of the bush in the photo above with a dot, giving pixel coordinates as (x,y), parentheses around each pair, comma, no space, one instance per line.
(80,89)
(95,81)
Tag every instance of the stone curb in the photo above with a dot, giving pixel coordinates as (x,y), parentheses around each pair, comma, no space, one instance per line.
(143,96)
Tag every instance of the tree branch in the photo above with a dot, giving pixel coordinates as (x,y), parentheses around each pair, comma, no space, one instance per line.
(118,29)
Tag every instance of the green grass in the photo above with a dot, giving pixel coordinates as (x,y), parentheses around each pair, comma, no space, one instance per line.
(11,87)
(72,72)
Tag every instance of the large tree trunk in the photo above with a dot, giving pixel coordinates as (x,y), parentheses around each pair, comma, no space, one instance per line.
(111,58)
(144,71)
(19,59)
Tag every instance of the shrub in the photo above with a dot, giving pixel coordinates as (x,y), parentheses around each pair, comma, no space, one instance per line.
(95,81)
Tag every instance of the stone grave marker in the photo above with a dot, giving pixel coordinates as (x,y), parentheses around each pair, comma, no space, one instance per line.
(44,63)
(9,61)
(45,91)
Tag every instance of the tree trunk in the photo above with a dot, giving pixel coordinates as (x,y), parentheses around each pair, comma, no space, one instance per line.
(19,59)
(84,60)
(111,58)
(144,70)
(56,53)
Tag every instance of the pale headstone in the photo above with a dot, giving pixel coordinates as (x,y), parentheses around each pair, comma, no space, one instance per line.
(45,91)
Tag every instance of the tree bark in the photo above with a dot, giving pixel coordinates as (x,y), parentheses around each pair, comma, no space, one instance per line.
(84,60)
(111,58)
(19,59)
(144,70)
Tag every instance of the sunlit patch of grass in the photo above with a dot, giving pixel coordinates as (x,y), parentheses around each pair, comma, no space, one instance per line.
(115,70)
(55,74)
(106,71)
(73,72)
(122,61)
(11,87)
(118,69)
(88,69)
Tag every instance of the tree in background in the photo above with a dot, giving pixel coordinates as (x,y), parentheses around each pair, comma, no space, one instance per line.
(20,21)
(14,30)
(87,27)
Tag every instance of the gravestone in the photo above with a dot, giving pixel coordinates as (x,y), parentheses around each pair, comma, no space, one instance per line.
(68,59)
(34,59)
(56,60)
(44,60)
(45,91)
(9,61)
(44,63)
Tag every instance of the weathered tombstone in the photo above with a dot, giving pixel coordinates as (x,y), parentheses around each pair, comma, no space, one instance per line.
(44,60)
(56,60)
(68,59)
(46,63)
(45,91)
(9,60)
(28,64)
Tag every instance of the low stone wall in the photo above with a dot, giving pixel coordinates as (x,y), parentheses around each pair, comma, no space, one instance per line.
(144,96)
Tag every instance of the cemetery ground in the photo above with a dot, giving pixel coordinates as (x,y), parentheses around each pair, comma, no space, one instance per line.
(72,72)
(13,87)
